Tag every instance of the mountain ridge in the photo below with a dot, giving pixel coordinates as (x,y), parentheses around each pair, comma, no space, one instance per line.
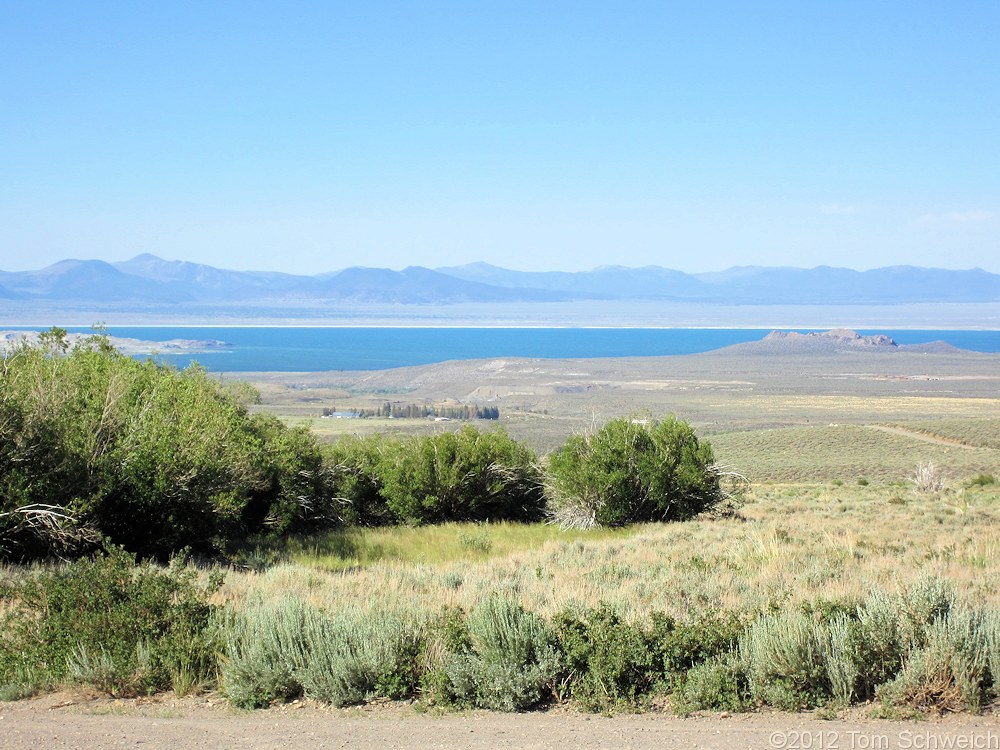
(149,279)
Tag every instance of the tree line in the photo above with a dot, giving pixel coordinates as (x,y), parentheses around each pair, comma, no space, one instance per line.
(466,412)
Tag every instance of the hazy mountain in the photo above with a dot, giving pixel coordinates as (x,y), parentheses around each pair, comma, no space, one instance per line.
(91,281)
(610,282)
(357,284)
(422,285)
(6,293)
(826,285)
(208,283)
(148,280)
(756,285)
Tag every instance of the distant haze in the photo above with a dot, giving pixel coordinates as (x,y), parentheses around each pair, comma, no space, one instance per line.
(150,282)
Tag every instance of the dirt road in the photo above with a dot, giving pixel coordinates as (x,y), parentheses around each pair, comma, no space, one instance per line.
(70,722)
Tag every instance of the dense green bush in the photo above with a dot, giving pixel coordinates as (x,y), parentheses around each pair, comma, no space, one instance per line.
(148,456)
(718,684)
(612,664)
(466,475)
(680,646)
(633,470)
(353,465)
(95,444)
(110,623)
(462,476)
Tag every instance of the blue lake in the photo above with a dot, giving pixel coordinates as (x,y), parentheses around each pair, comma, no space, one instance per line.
(301,349)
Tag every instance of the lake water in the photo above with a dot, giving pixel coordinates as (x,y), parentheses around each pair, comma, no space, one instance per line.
(303,349)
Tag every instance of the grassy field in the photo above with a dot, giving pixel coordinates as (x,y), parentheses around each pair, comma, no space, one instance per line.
(830,444)
(795,543)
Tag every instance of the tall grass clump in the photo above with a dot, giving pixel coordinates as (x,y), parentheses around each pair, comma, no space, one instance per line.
(510,661)
(927,477)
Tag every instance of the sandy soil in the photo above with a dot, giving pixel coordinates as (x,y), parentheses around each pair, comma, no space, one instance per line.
(74,721)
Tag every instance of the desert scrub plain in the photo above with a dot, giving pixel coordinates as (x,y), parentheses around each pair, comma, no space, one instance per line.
(862,566)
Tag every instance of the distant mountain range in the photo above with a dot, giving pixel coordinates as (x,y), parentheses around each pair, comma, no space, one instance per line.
(149,280)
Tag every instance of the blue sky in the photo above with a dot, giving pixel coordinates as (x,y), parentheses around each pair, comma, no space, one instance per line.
(311,136)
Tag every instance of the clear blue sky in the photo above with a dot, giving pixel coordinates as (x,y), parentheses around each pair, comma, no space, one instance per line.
(311,136)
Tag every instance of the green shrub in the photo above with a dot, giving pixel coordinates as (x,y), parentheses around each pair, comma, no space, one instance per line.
(927,600)
(632,471)
(680,646)
(105,621)
(982,480)
(511,662)
(466,475)
(991,638)
(103,671)
(611,664)
(286,649)
(351,657)
(462,476)
(446,633)
(840,658)
(150,457)
(353,467)
(717,684)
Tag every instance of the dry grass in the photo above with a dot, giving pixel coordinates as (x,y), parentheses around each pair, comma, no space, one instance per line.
(804,429)
(797,543)
(354,548)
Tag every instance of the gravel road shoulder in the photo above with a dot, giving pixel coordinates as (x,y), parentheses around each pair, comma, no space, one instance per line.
(66,720)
